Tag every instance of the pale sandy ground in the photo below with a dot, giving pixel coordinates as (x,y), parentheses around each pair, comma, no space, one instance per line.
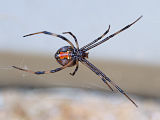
(74,104)
(142,83)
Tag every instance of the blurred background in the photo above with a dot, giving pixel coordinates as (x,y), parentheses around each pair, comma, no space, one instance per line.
(131,59)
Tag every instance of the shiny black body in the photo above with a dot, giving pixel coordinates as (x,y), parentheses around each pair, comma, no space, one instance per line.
(69,56)
(65,55)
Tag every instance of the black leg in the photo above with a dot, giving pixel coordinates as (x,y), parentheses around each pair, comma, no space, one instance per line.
(73,37)
(96,39)
(53,34)
(107,38)
(99,73)
(44,72)
(76,69)
(89,65)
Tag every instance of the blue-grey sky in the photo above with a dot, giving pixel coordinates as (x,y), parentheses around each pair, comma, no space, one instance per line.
(87,19)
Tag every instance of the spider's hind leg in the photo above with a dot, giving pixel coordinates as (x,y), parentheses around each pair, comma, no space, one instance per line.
(73,37)
(38,72)
(44,72)
(53,34)
(76,69)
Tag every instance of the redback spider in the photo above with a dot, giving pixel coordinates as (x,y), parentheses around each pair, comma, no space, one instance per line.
(69,56)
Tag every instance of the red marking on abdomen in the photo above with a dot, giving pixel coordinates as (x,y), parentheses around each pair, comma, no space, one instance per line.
(63,55)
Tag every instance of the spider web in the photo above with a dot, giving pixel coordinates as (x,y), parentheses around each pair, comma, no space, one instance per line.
(5,67)
(21,65)
(24,66)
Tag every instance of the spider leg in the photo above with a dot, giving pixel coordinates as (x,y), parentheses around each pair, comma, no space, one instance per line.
(99,73)
(44,72)
(73,37)
(89,65)
(76,69)
(97,38)
(107,38)
(53,34)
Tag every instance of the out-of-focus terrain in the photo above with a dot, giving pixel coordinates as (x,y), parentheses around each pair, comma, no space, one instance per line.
(141,79)
(73,104)
(58,97)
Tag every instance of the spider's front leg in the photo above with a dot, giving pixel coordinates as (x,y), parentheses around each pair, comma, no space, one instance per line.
(96,39)
(99,73)
(44,72)
(105,78)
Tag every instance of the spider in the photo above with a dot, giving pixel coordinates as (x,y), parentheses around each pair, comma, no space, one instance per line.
(69,56)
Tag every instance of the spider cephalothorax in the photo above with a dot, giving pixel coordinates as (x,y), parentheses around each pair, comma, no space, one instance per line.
(69,56)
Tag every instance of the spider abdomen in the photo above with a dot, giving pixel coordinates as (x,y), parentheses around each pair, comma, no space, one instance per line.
(64,55)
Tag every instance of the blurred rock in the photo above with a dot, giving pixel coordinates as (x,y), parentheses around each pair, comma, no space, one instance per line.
(74,104)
